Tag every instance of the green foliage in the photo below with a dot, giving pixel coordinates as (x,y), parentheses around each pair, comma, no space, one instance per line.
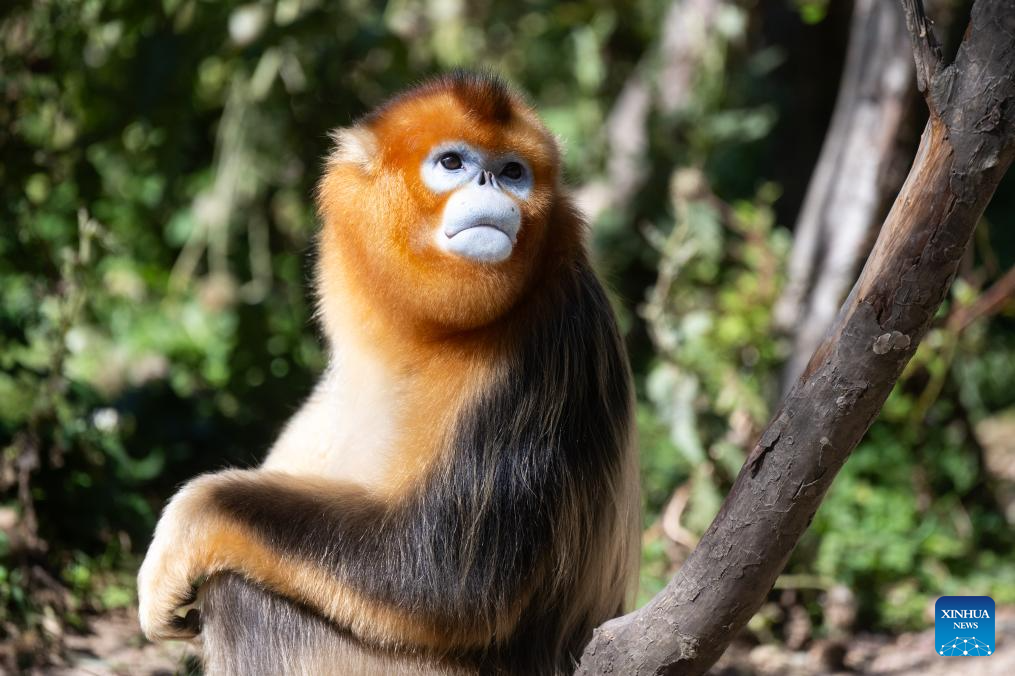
(913,512)
(718,256)
(812,11)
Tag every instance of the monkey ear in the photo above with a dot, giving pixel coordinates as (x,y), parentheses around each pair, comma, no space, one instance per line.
(354,145)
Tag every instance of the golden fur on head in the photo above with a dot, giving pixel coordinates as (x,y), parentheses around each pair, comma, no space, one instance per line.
(378,217)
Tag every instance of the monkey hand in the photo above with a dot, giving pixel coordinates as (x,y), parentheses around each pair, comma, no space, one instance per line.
(176,560)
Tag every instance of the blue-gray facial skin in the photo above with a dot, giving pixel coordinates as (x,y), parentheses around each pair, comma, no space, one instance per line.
(482,218)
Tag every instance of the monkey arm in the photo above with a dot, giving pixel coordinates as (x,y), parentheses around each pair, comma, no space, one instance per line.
(332,546)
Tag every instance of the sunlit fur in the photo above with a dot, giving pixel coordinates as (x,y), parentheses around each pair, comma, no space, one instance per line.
(460,494)
(387,261)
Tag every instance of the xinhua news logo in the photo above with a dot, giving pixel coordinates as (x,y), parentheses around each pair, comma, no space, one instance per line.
(964,626)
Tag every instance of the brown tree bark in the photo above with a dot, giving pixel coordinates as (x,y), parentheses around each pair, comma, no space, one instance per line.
(966,148)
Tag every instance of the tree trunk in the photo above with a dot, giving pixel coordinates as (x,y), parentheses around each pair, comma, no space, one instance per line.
(966,148)
(861,166)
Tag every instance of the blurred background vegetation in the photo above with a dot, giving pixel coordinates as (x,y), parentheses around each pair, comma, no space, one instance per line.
(157,165)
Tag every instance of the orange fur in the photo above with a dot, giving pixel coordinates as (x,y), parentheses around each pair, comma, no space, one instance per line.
(381,279)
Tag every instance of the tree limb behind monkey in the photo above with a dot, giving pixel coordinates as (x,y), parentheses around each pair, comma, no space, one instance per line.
(459,494)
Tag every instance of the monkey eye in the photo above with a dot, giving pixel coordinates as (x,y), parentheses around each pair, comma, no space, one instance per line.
(512,170)
(451,161)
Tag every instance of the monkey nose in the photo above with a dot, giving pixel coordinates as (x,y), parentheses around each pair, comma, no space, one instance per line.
(487,177)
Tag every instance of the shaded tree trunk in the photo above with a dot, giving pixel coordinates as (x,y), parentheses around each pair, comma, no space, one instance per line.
(967,146)
(861,167)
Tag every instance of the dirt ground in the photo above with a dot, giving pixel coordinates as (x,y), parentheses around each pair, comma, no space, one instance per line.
(116,648)
(905,655)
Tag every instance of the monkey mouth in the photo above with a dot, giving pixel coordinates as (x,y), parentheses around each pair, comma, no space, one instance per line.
(480,241)
(451,231)
(481,229)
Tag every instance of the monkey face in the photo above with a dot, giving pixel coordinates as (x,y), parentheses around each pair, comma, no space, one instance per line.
(440,205)
(482,215)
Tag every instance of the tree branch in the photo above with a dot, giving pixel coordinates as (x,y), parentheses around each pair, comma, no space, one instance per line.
(989,303)
(926,50)
(966,148)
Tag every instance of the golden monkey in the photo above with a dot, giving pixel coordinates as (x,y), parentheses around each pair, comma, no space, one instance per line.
(459,494)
